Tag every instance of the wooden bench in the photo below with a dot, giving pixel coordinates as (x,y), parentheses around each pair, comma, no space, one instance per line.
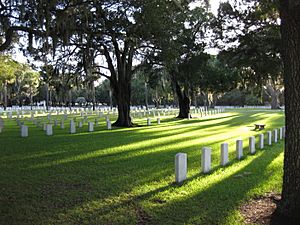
(259,126)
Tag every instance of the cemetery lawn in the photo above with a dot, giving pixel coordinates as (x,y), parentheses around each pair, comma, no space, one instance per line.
(126,176)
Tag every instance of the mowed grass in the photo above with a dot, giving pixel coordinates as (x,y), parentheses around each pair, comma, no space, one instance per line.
(126,176)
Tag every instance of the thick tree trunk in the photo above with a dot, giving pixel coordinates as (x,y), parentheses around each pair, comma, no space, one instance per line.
(122,92)
(290,31)
(274,101)
(183,101)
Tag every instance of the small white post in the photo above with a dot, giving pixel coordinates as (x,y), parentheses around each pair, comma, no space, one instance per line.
(252,144)
(72,127)
(239,149)
(44,126)
(108,125)
(280,133)
(269,137)
(261,141)
(158,121)
(148,122)
(275,135)
(62,124)
(206,159)
(49,130)
(24,131)
(90,126)
(224,154)
(180,167)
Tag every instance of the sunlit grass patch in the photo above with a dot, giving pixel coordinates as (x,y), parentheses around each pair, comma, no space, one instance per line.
(126,176)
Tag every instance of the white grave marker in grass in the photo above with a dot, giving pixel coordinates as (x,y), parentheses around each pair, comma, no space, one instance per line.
(275,136)
(206,159)
(269,137)
(49,130)
(280,133)
(252,145)
(90,126)
(224,154)
(239,149)
(72,127)
(24,131)
(261,141)
(180,167)
(108,124)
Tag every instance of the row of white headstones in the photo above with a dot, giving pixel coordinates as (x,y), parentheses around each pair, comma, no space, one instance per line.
(181,158)
(135,113)
(48,127)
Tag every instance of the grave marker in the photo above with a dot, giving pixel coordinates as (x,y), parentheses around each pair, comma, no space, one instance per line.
(239,149)
(224,154)
(252,145)
(180,167)
(206,159)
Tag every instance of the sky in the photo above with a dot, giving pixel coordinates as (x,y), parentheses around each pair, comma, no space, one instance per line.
(214,8)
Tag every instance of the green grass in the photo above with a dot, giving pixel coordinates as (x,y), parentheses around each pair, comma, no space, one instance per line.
(126,176)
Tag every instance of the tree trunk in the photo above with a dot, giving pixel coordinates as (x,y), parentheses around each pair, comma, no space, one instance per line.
(47,96)
(110,99)
(290,31)
(122,92)
(5,94)
(93,96)
(70,99)
(146,96)
(274,100)
(183,101)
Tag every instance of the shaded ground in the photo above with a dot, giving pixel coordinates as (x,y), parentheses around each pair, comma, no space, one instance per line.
(261,210)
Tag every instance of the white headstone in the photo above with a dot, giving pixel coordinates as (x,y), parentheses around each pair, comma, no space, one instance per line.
(24,131)
(224,154)
(280,133)
(261,141)
(80,124)
(90,126)
(148,121)
(252,145)
(72,127)
(239,149)
(275,135)
(49,130)
(44,126)
(269,137)
(108,125)
(158,120)
(62,124)
(180,167)
(206,159)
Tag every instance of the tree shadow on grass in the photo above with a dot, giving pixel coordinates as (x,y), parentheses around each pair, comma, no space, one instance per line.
(73,184)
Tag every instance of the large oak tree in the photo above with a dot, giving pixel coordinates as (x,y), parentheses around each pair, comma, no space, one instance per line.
(290,32)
